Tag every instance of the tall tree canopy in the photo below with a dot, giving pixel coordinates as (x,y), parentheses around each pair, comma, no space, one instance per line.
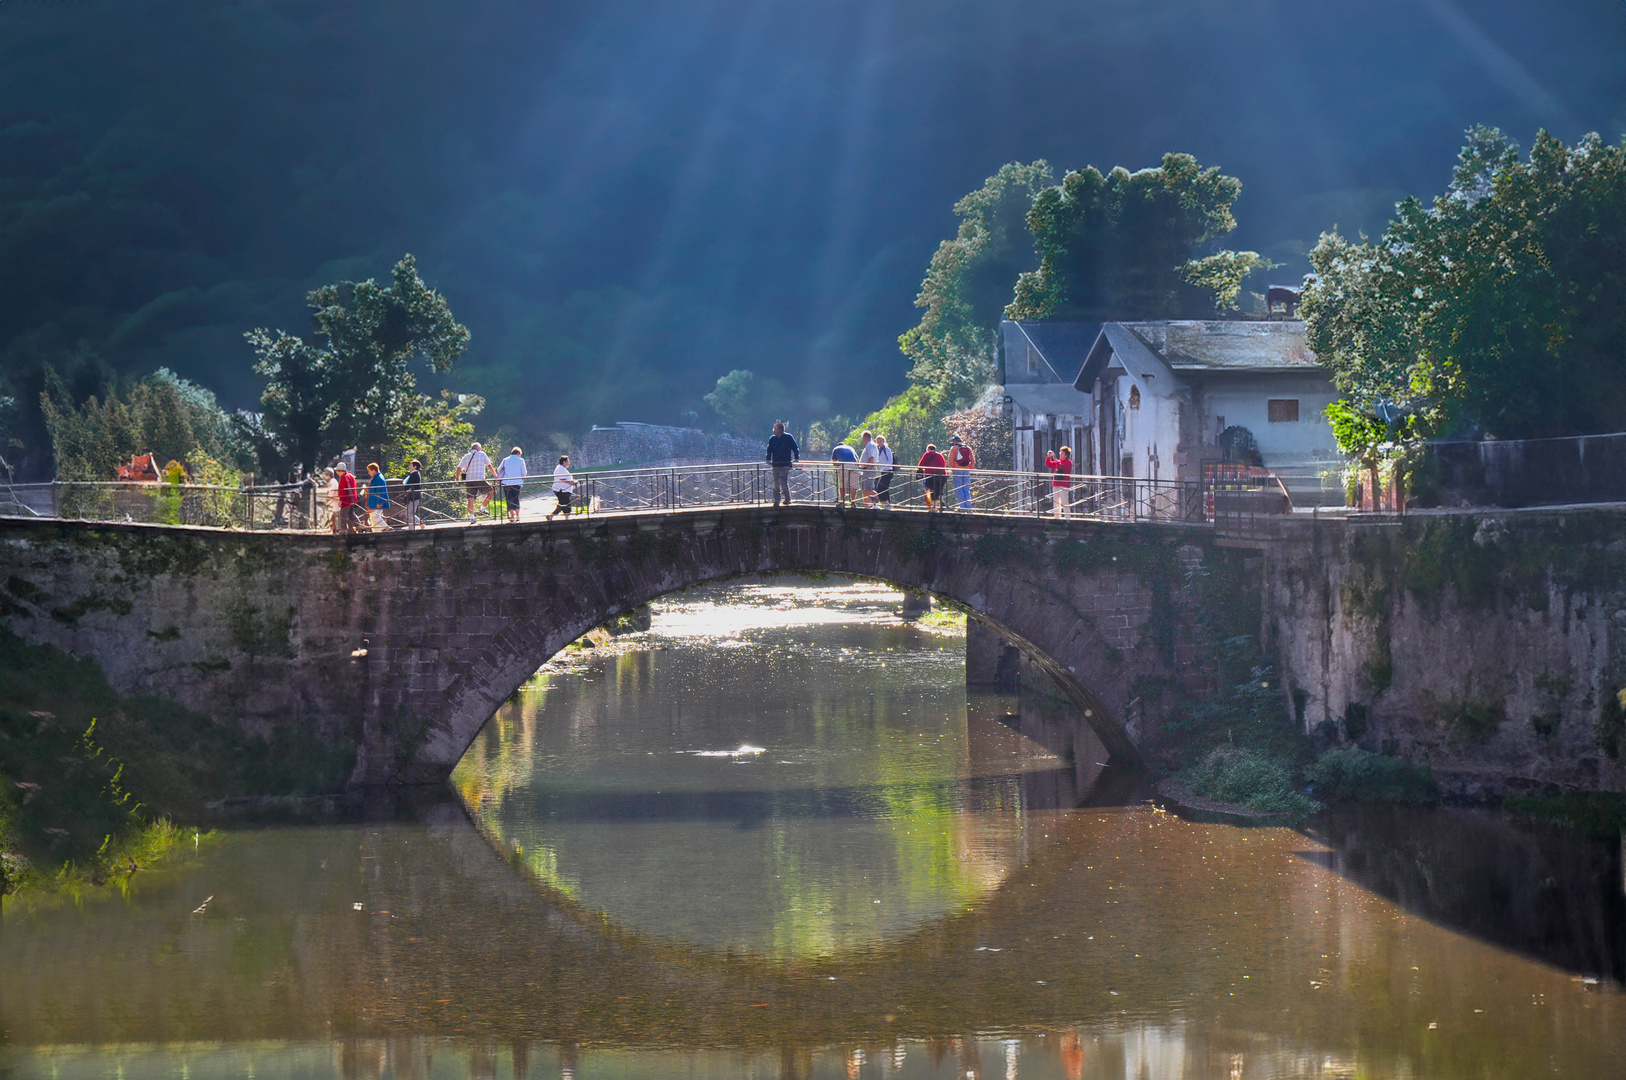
(163,414)
(1500,307)
(968,284)
(358,389)
(1122,246)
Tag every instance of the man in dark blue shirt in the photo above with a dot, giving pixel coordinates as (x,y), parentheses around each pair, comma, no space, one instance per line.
(782,451)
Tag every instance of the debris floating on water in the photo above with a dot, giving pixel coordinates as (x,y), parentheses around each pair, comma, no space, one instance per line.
(743,751)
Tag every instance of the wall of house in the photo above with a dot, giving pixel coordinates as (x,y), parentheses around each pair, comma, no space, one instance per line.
(1148,431)
(1218,402)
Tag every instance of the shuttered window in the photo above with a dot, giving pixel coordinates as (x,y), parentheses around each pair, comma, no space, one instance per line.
(1282,410)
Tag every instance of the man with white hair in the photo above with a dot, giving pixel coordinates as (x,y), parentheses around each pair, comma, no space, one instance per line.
(473,470)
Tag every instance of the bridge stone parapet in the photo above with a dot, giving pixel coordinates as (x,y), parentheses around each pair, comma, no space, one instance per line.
(399,646)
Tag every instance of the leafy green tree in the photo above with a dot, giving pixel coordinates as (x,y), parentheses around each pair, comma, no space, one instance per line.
(358,388)
(748,405)
(297,410)
(1118,246)
(968,284)
(1498,308)
(164,415)
(1224,273)
(436,433)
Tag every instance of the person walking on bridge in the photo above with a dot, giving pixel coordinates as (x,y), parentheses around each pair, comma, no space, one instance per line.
(347,499)
(512,474)
(1060,465)
(883,472)
(378,498)
(961,461)
(473,470)
(848,473)
(412,494)
(869,455)
(782,452)
(335,521)
(563,485)
(933,468)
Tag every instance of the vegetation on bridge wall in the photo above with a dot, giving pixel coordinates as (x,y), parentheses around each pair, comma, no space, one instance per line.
(1482,567)
(94,784)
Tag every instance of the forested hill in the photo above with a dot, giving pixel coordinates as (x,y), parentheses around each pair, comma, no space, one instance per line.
(624,199)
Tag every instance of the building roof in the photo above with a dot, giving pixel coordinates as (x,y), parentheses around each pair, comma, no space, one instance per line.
(1059,344)
(1049,399)
(1190,346)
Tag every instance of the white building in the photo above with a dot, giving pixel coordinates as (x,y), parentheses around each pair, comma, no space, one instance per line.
(1152,399)
(1165,392)
(1047,409)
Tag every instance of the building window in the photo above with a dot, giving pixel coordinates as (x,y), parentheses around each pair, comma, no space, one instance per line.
(1282,410)
(1033,361)
(1134,397)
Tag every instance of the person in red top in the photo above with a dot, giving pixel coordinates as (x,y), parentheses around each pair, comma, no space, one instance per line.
(1060,465)
(961,461)
(934,467)
(347,498)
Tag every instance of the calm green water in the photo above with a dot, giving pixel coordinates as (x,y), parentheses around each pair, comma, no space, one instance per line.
(773,838)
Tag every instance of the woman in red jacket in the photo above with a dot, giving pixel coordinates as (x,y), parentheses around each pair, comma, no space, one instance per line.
(1060,465)
(347,499)
(934,468)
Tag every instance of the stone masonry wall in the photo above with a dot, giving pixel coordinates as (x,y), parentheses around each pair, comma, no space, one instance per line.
(1490,645)
(401,645)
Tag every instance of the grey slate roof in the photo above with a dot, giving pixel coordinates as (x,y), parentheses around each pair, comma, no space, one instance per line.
(1202,346)
(1061,344)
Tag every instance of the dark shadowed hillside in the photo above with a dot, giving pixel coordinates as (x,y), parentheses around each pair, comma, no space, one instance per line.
(625,199)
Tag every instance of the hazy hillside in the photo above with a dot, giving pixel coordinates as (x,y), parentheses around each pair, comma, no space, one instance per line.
(624,199)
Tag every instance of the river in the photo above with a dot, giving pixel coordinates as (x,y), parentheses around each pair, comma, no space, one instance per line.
(773,836)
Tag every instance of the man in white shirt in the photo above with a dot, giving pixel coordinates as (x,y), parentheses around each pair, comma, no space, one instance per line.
(473,470)
(512,474)
(869,455)
(563,485)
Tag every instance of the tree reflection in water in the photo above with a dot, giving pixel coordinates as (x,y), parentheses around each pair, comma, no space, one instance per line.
(1117,941)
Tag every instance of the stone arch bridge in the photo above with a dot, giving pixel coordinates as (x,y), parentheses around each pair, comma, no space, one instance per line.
(398,647)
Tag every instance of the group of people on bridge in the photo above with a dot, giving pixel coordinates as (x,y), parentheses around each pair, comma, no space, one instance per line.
(864,474)
(358,510)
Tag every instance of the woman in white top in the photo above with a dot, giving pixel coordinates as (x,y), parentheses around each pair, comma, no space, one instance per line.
(563,485)
(333,499)
(883,475)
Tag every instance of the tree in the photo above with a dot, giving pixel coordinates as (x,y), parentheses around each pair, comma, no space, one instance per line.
(437,434)
(1118,246)
(1500,308)
(968,284)
(163,414)
(358,389)
(748,404)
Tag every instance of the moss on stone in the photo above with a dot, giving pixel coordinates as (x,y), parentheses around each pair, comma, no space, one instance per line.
(1000,550)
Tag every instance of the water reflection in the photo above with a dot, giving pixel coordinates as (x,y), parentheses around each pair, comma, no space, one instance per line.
(1117,941)
(867,801)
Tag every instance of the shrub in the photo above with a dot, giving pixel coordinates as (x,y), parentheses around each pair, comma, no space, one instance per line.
(1350,774)
(1248,779)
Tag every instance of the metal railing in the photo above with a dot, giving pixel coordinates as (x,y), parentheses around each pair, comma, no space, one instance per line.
(983,492)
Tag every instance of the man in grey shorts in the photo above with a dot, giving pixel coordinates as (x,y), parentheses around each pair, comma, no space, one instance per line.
(472,470)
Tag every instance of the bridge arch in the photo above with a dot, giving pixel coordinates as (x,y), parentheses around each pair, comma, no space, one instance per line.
(1086,625)
(526,644)
(399,647)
